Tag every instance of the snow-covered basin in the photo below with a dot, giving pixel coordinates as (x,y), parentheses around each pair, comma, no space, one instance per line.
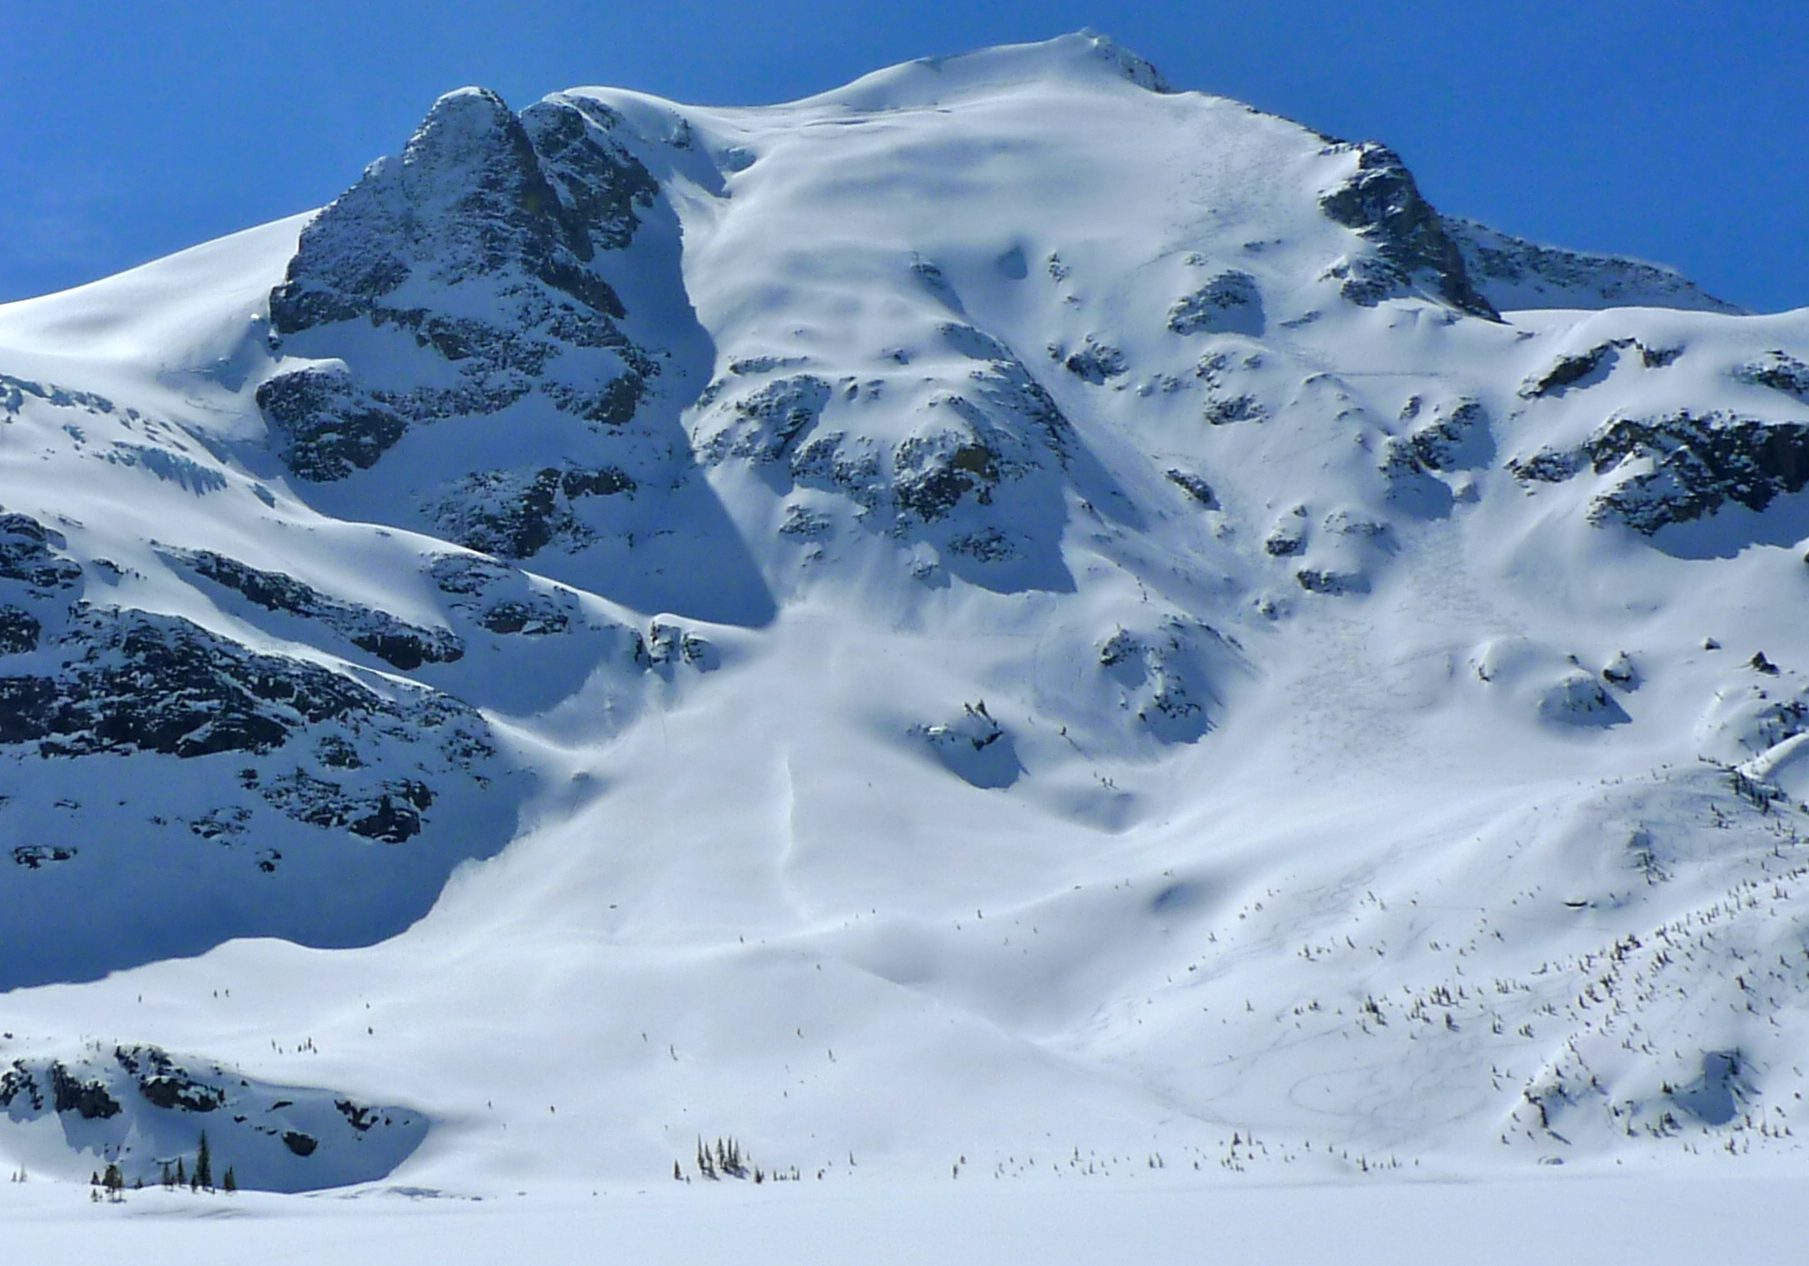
(1655,1220)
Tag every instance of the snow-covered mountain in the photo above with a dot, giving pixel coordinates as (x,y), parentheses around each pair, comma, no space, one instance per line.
(1000,619)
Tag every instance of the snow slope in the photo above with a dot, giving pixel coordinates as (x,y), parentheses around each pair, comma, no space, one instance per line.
(998,620)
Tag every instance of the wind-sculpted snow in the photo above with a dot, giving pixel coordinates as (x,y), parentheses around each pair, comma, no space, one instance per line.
(996,619)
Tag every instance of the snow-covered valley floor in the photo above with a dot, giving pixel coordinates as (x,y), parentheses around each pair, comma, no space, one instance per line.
(1602,1219)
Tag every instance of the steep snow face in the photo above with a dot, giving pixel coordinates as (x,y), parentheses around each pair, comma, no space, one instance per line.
(998,615)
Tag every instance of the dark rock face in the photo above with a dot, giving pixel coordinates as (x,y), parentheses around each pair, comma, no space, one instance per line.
(397,643)
(1230,409)
(933,477)
(390,814)
(1093,362)
(466,575)
(668,644)
(259,1128)
(1164,675)
(1288,537)
(1674,469)
(1218,372)
(19,631)
(133,682)
(1568,372)
(88,1099)
(1194,486)
(1230,302)
(162,684)
(1332,583)
(500,215)
(152,1098)
(1586,368)
(359,1117)
(516,514)
(174,1082)
(977,446)
(974,747)
(389,821)
(599,182)
(28,553)
(1446,440)
(804,524)
(1778,371)
(1548,466)
(1454,435)
(408,650)
(329,428)
(467,196)
(1699,465)
(521,617)
(36,856)
(135,1059)
(356,760)
(498,598)
(765,425)
(17,1082)
(1381,201)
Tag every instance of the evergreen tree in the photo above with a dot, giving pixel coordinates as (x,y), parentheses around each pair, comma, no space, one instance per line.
(204,1165)
(230,1183)
(181,1173)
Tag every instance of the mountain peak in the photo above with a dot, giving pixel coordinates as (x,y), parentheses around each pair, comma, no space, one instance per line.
(472,104)
(1083,59)
(997,569)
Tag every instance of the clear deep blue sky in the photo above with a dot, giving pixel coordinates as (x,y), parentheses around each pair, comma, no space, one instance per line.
(1669,129)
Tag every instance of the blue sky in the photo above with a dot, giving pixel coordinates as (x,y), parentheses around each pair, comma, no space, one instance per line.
(1667,129)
